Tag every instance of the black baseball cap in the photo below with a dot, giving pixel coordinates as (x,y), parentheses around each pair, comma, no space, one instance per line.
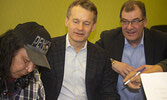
(36,41)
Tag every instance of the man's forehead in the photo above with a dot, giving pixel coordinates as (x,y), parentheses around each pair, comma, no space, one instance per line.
(136,13)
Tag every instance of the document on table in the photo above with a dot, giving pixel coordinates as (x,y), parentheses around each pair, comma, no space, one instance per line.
(155,85)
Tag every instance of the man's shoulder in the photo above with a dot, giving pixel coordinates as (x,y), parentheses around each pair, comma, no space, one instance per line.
(58,45)
(111,34)
(96,49)
(112,31)
(58,39)
(155,33)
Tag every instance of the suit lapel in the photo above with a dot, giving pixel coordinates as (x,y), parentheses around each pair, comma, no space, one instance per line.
(118,47)
(91,62)
(58,55)
(148,46)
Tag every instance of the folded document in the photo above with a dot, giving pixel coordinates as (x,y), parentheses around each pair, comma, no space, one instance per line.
(155,85)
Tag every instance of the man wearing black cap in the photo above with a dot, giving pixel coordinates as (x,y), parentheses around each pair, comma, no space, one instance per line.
(21,49)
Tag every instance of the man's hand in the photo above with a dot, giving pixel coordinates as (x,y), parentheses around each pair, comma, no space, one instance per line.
(122,68)
(135,82)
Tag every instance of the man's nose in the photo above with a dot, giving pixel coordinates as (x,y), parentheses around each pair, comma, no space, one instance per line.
(129,25)
(80,26)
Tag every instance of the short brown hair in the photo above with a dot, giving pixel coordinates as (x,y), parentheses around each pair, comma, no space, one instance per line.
(86,4)
(130,6)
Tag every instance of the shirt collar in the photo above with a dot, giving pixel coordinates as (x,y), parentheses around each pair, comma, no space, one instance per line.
(68,45)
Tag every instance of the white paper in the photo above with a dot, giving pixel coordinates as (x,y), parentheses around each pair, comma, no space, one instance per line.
(155,85)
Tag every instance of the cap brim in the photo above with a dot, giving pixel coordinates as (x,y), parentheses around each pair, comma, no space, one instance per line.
(37,58)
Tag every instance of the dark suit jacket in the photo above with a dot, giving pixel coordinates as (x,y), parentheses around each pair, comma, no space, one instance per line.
(155,45)
(99,83)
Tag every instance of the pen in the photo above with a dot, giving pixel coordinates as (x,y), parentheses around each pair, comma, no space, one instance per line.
(124,84)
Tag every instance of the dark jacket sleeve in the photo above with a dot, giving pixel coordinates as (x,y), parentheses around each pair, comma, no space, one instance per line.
(107,85)
(163,64)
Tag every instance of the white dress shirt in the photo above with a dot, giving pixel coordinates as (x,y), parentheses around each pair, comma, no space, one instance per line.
(73,87)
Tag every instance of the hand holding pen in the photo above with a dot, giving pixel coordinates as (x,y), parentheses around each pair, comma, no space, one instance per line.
(134,76)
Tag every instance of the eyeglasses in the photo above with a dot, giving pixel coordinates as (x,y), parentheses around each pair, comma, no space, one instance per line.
(133,22)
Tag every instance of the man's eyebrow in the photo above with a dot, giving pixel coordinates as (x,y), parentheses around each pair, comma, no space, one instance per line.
(128,20)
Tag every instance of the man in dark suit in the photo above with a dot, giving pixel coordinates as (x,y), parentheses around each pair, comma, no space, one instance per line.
(132,46)
(80,70)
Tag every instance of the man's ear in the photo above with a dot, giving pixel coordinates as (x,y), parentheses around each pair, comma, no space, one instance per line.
(145,22)
(66,21)
(94,26)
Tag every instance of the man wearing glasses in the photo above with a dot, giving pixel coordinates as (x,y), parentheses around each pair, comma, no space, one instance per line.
(132,47)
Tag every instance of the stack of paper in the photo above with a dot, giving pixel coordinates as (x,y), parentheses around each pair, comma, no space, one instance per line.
(155,85)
